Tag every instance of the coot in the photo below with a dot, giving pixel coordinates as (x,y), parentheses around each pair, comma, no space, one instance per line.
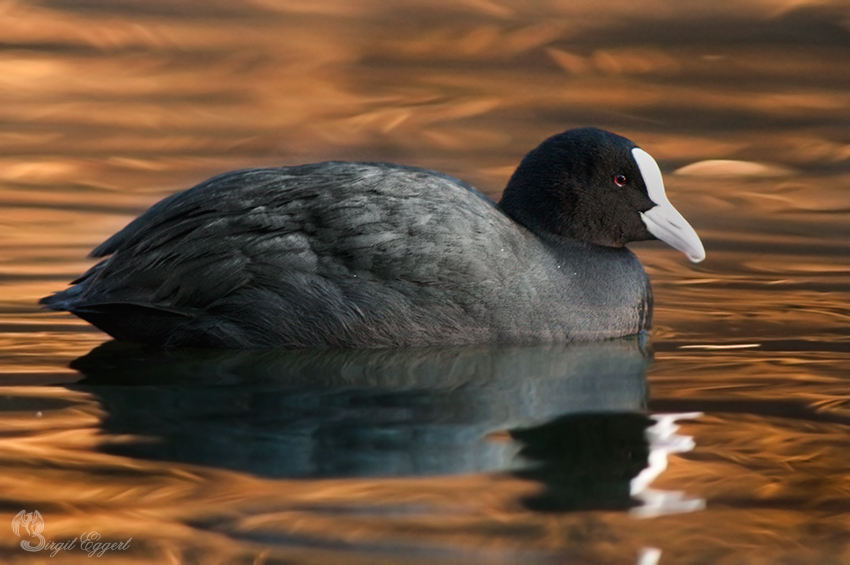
(340,254)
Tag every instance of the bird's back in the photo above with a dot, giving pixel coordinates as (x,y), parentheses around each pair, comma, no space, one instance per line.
(331,254)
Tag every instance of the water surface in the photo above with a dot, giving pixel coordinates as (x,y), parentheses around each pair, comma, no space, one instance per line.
(491,455)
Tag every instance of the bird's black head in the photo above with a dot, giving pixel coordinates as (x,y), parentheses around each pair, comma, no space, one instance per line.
(598,187)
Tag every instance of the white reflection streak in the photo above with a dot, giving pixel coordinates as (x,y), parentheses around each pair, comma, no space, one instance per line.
(649,556)
(733,346)
(663,441)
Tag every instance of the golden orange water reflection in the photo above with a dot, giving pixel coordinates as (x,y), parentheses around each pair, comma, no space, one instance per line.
(107,106)
(763,476)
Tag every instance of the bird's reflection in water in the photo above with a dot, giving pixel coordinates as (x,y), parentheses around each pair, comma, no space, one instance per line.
(586,461)
(574,413)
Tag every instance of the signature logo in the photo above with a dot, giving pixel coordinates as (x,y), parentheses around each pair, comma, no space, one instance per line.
(31,524)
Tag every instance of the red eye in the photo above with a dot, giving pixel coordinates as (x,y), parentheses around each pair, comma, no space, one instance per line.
(620,180)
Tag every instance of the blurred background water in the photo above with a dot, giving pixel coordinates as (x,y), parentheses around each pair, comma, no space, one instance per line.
(491,455)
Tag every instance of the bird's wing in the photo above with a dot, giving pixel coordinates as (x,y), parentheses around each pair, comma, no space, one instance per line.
(330,220)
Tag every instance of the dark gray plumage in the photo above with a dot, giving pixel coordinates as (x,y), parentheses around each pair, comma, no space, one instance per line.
(368,255)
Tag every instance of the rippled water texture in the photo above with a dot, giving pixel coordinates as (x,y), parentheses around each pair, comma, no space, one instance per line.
(473,455)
